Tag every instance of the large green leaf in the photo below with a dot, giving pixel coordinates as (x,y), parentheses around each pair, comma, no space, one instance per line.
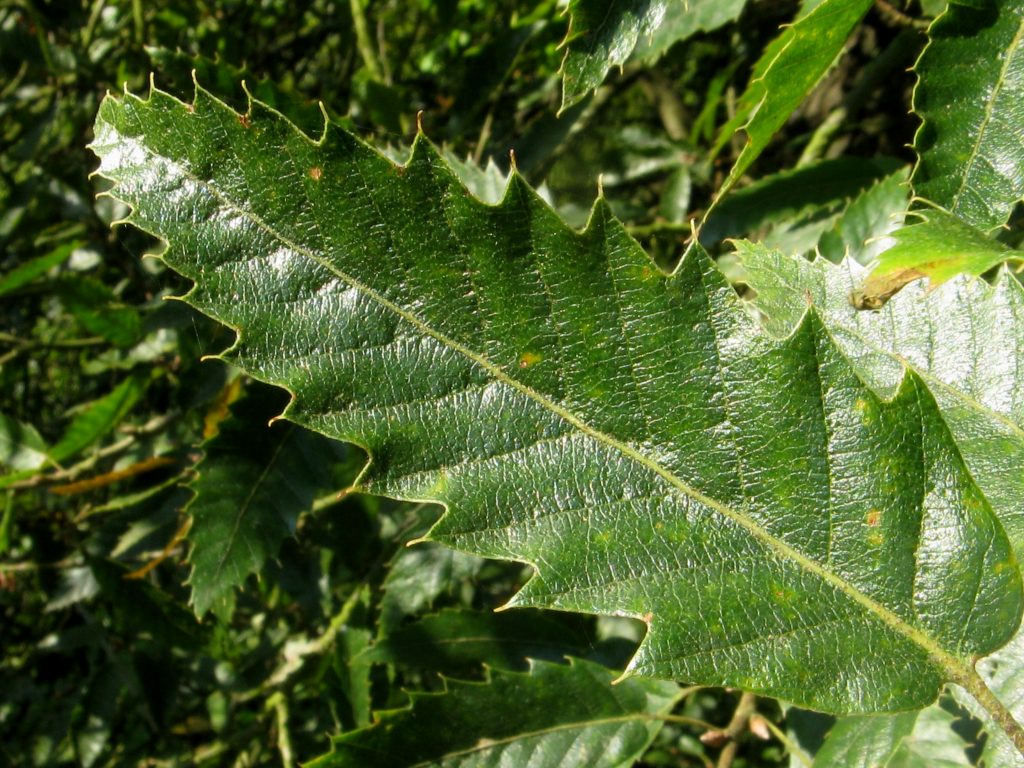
(554,716)
(634,436)
(970,95)
(789,68)
(963,339)
(254,482)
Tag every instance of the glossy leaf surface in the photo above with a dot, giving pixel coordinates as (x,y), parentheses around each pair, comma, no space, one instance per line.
(961,339)
(634,436)
(602,34)
(970,95)
(562,715)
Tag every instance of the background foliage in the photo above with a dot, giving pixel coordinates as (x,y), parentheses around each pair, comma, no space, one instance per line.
(141,485)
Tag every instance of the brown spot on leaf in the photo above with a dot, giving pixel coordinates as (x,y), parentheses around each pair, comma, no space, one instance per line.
(873,518)
(316,173)
(244,121)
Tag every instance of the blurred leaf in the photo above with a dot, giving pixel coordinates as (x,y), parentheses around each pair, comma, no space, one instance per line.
(457,640)
(100,417)
(940,247)
(789,68)
(956,338)
(30,270)
(556,715)
(98,310)
(254,482)
(970,96)
(21,446)
(419,575)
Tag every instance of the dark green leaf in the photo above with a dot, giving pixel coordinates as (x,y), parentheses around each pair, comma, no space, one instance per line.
(253,484)
(556,715)
(452,641)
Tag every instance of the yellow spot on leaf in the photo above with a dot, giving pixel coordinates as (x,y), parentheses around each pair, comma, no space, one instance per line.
(529,358)
(315,173)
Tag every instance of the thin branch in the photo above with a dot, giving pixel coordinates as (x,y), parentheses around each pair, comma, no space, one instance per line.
(736,727)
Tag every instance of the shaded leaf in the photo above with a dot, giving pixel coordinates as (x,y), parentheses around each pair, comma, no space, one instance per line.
(939,247)
(602,34)
(789,68)
(456,640)
(562,715)
(962,339)
(970,96)
(254,482)
(419,575)
(789,193)
(574,408)
(98,311)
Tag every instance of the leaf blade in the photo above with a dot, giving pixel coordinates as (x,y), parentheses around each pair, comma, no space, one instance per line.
(970,86)
(457,322)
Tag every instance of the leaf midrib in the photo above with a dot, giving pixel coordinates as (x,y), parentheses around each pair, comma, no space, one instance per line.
(954,667)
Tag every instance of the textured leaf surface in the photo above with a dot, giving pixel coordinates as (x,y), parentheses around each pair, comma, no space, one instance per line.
(963,339)
(789,68)
(554,716)
(970,95)
(924,739)
(602,35)
(253,484)
(634,436)
(938,248)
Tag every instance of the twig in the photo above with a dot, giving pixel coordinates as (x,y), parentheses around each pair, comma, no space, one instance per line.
(788,743)
(71,473)
(894,17)
(744,709)
(279,704)
(364,42)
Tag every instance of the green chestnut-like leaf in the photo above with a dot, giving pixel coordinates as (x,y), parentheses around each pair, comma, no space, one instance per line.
(635,436)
